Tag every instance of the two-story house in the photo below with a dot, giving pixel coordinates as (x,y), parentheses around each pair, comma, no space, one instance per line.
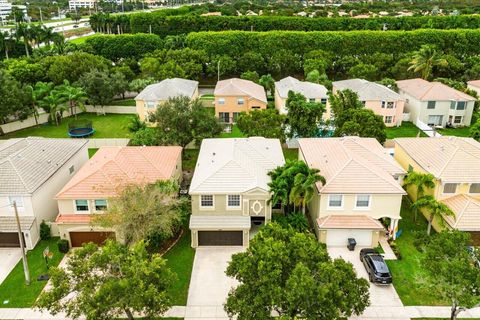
(230,190)
(101,179)
(455,164)
(313,92)
(32,171)
(381,100)
(436,104)
(154,95)
(363,185)
(233,96)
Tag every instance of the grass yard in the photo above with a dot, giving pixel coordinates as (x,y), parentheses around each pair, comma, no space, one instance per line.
(91,152)
(189,158)
(124,103)
(180,260)
(407,129)
(106,126)
(236,133)
(290,154)
(207,96)
(458,132)
(14,290)
(413,284)
(81,40)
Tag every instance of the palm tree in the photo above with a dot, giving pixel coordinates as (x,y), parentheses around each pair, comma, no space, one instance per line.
(425,59)
(53,102)
(434,208)
(38,92)
(75,96)
(421,182)
(47,35)
(267,82)
(304,187)
(7,42)
(59,42)
(23,31)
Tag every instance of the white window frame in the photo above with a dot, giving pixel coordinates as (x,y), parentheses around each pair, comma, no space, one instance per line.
(454,119)
(221,101)
(150,105)
(18,200)
(434,104)
(391,119)
(464,105)
(240,101)
(311,100)
(384,104)
(95,205)
(239,201)
(81,211)
(335,207)
(392,103)
(470,189)
(324,101)
(369,202)
(212,207)
(444,185)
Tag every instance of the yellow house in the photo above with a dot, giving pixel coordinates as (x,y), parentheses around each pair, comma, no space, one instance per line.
(148,100)
(455,164)
(233,96)
(363,185)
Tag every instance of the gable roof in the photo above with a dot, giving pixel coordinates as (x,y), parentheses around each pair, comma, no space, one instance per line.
(27,163)
(235,165)
(467,212)
(168,88)
(112,167)
(309,89)
(431,91)
(474,83)
(240,87)
(349,221)
(367,90)
(352,165)
(451,159)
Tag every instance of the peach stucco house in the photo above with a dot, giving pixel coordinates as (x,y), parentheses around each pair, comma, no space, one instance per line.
(233,96)
(101,178)
(381,100)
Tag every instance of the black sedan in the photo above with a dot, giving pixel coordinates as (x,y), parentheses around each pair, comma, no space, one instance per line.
(376,267)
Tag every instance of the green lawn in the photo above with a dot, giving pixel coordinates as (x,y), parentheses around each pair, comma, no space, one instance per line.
(91,152)
(207,96)
(413,284)
(236,133)
(14,290)
(106,126)
(407,129)
(290,154)
(459,132)
(180,260)
(124,103)
(81,40)
(189,158)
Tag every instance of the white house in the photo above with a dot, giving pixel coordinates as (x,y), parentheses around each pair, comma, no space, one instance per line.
(32,171)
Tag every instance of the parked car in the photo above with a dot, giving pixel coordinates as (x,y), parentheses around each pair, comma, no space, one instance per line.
(376,267)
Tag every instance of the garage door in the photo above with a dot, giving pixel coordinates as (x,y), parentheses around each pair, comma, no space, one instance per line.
(220,238)
(79,238)
(338,237)
(9,240)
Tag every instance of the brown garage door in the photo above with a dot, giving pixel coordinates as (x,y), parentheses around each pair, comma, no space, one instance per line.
(79,238)
(220,238)
(9,240)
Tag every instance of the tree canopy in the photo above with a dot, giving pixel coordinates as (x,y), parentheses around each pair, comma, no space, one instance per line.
(304,117)
(266,123)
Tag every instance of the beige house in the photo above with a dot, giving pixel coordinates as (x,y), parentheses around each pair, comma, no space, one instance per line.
(312,91)
(233,96)
(100,180)
(381,100)
(155,94)
(455,164)
(32,171)
(363,185)
(436,104)
(229,189)
(475,86)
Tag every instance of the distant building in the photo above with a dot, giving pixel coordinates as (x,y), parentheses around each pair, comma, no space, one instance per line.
(6,10)
(77,4)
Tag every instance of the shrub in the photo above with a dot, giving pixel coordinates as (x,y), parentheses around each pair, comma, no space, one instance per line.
(421,240)
(136,124)
(295,220)
(63,245)
(44,231)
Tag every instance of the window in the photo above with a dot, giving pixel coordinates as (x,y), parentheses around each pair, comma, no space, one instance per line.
(452,105)
(435,120)
(221,100)
(255,107)
(431,105)
(383,104)
(233,200)
(457,119)
(150,104)
(100,205)
(240,101)
(81,205)
(323,100)
(388,119)
(449,188)
(474,188)
(363,102)
(311,99)
(235,116)
(71,169)
(224,117)
(390,105)
(206,201)
(363,201)
(18,200)
(335,201)
(461,105)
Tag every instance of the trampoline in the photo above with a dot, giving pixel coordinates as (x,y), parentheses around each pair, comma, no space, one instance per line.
(80,128)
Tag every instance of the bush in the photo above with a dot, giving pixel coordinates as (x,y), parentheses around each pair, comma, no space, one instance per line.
(63,245)
(44,231)
(421,240)
(295,220)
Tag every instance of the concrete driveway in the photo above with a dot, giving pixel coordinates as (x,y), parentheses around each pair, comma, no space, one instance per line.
(381,297)
(209,286)
(9,258)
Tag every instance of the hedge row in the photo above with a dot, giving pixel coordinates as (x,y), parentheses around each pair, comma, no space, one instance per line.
(164,25)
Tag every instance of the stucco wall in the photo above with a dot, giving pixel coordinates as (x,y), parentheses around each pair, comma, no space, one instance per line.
(280,103)
(231,105)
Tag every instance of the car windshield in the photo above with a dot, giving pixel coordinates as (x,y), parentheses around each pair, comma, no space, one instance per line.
(380,265)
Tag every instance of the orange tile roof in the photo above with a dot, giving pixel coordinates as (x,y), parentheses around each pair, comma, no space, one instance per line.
(113,167)
(240,87)
(467,212)
(425,91)
(348,222)
(73,218)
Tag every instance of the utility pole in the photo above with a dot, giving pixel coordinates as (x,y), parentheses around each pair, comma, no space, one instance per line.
(22,246)
(41,17)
